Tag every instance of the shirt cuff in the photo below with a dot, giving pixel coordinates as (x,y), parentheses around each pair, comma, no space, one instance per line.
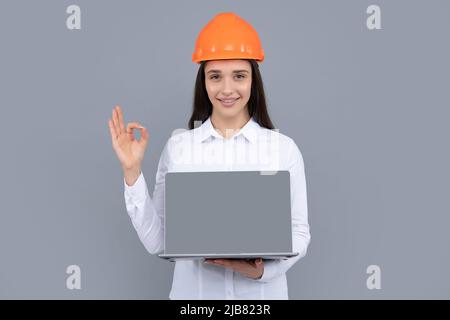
(270,270)
(138,190)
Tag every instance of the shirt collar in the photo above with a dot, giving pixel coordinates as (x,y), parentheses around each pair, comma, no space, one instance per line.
(249,131)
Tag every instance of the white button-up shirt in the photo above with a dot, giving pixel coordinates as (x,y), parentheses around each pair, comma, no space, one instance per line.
(203,149)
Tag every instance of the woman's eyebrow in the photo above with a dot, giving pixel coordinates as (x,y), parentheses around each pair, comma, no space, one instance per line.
(235,71)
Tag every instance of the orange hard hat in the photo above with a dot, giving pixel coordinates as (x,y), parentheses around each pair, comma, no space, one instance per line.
(227,36)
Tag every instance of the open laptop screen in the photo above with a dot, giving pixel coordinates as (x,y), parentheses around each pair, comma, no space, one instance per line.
(227,212)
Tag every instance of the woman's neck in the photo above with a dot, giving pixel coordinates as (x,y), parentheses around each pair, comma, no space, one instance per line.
(227,127)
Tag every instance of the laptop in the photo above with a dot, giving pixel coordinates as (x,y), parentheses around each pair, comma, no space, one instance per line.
(227,214)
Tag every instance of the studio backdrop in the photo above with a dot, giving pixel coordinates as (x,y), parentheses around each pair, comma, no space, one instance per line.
(361,86)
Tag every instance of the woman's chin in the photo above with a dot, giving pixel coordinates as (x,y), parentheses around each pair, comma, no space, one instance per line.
(235,109)
(228,113)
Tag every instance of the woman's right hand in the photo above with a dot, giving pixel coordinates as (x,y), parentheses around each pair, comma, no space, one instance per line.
(129,150)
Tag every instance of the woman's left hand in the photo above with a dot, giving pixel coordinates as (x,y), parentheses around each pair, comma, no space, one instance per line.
(253,268)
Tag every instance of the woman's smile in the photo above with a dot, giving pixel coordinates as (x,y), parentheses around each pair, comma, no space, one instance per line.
(228,102)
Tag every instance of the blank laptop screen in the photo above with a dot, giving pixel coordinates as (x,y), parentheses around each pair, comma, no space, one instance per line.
(227,212)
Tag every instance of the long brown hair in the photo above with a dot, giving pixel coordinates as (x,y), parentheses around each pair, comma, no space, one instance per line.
(257,108)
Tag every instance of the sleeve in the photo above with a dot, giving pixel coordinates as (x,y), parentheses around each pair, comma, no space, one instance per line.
(147,213)
(300,227)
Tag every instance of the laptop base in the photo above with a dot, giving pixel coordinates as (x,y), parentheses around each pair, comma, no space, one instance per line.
(267,256)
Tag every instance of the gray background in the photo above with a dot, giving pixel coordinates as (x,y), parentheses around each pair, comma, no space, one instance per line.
(368,109)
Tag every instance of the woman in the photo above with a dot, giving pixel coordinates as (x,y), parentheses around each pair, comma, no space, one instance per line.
(231,113)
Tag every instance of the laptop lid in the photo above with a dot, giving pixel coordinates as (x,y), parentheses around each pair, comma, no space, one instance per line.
(229,213)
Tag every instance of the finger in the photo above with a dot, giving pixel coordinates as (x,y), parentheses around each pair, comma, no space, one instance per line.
(112,131)
(212,262)
(221,261)
(134,125)
(144,134)
(115,118)
(230,263)
(121,123)
(218,262)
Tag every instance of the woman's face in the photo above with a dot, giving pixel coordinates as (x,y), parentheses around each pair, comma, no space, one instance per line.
(228,83)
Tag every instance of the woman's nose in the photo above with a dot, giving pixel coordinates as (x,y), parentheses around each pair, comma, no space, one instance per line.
(227,87)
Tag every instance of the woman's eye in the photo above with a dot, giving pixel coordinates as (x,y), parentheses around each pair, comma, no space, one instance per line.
(238,76)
